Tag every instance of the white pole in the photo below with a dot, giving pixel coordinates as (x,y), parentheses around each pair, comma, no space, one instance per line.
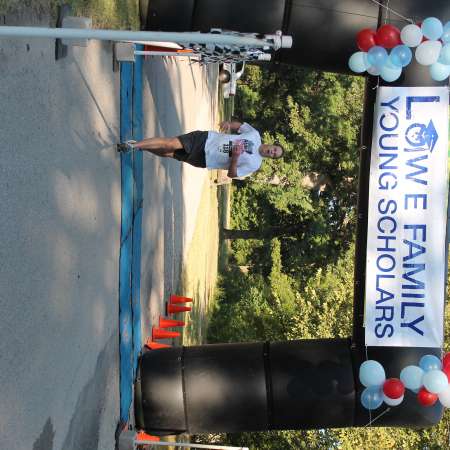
(155,53)
(189,445)
(117,35)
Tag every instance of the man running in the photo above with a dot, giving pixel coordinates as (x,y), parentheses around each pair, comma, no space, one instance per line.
(241,152)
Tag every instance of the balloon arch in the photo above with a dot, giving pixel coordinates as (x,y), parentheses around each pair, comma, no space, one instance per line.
(394,355)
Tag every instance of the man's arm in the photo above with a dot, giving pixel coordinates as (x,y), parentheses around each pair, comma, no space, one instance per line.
(232,170)
(230,126)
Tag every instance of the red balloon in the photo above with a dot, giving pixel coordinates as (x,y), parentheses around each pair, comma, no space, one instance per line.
(365,39)
(446,370)
(446,359)
(426,398)
(388,36)
(393,388)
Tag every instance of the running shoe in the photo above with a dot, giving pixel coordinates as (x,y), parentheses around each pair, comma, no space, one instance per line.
(127,146)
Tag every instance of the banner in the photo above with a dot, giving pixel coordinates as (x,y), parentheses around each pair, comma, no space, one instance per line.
(406,236)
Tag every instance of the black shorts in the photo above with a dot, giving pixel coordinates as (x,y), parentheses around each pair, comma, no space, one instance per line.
(193,151)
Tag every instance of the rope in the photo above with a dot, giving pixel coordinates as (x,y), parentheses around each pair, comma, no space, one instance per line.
(393,11)
(370,411)
(388,15)
(376,418)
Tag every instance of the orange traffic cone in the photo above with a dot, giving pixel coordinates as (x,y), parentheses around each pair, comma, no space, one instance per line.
(172,309)
(141,436)
(158,333)
(178,299)
(168,323)
(155,345)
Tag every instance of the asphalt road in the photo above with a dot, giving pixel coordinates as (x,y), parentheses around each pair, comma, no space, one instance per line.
(60,228)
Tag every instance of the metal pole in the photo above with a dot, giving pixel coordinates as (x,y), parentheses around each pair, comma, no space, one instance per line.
(188,445)
(117,35)
(155,53)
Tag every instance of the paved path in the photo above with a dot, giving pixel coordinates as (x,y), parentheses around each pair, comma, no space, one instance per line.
(178,97)
(60,228)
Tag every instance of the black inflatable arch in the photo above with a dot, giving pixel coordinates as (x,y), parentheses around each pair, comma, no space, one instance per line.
(305,384)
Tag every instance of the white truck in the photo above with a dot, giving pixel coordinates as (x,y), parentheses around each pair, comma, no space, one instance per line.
(228,76)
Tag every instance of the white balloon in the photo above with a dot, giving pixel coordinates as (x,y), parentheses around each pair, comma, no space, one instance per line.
(435,381)
(444,397)
(392,401)
(439,72)
(428,52)
(411,35)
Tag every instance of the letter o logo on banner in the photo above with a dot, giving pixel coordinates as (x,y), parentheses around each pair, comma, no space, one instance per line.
(388,258)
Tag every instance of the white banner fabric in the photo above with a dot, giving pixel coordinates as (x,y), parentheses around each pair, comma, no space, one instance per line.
(406,236)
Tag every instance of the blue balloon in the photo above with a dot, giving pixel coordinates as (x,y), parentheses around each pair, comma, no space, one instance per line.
(371,373)
(390,73)
(375,71)
(432,28)
(446,33)
(411,377)
(400,56)
(390,65)
(435,381)
(430,362)
(439,72)
(377,56)
(372,397)
(358,62)
(444,57)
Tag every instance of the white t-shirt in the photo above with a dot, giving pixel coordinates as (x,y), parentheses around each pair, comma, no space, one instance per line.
(218,148)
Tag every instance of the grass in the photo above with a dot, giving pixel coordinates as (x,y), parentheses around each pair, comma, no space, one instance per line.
(224,196)
(199,272)
(114,14)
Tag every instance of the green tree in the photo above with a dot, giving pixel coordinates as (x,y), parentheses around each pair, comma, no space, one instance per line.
(322,309)
(316,117)
(297,239)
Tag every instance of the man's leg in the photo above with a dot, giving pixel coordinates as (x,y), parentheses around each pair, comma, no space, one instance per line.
(163,147)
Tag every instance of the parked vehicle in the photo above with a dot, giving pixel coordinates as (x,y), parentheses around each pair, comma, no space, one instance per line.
(228,76)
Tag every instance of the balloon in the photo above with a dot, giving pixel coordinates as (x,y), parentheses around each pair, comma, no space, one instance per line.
(439,72)
(435,381)
(427,52)
(393,388)
(400,56)
(446,370)
(390,73)
(426,398)
(444,57)
(446,33)
(430,362)
(374,70)
(446,358)
(392,401)
(411,376)
(388,36)
(444,397)
(358,62)
(411,35)
(371,373)
(372,397)
(432,28)
(377,56)
(365,39)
